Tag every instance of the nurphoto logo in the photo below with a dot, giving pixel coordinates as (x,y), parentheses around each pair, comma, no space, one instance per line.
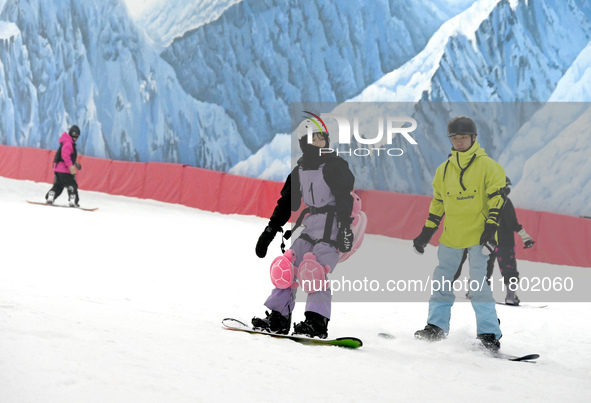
(394,125)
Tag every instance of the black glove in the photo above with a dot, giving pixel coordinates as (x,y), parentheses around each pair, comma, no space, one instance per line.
(487,239)
(527,241)
(264,241)
(78,166)
(423,239)
(344,236)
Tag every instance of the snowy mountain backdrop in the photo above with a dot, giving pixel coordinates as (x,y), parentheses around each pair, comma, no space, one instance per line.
(497,62)
(171,19)
(85,62)
(210,83)
(261,55)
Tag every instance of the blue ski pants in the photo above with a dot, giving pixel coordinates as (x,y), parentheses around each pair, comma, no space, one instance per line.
(442,298)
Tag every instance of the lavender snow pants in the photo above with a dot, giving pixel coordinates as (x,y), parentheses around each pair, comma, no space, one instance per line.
(320,301)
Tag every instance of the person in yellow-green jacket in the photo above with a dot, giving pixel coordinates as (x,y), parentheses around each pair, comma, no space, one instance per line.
(466,189)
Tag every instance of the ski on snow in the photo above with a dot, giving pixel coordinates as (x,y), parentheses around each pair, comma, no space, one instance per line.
(495,354)
(525,358)
(346,342)
(526,305)
(523,305)
(60,205)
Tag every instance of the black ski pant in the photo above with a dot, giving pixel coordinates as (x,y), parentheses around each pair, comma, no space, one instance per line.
(507,263)
(63,180)
(505,255)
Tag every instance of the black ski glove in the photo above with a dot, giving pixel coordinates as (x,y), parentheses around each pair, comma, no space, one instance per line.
(264,241)
(345,236)
(528,242)
(423,239)
(487,239)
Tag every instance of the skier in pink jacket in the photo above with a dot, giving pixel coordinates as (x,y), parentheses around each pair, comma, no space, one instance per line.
(65,168)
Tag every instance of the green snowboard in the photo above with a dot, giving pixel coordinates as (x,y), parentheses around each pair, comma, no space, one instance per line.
(347,342)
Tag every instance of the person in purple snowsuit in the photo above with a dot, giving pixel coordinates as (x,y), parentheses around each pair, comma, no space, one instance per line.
(65,168)
(324,182)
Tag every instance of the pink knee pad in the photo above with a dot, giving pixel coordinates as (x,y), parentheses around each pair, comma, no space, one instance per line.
(312,275)
(282,270)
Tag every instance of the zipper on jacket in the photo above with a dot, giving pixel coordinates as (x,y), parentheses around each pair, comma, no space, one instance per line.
(312,192)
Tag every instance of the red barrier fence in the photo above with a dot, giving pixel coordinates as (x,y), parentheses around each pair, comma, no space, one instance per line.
(560,239)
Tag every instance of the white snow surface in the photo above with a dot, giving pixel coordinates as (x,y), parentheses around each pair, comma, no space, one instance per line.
(125,305)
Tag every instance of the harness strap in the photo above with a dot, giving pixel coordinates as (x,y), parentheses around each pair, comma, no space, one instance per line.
(308,238)
(330,214)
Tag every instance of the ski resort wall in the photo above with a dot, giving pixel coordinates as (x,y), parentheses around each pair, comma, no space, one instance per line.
(560,239)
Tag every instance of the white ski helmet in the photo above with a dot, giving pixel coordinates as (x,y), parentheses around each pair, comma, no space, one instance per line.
(310,126)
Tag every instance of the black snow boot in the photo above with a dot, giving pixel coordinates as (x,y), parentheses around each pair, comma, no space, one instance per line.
(489,340)
(315,325)
(430,333)
(273,323)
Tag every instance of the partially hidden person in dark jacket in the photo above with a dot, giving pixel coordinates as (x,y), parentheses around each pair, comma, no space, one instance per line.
(505,250)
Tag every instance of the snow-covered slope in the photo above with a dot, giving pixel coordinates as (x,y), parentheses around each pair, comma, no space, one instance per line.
(86,63)
(135,316)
